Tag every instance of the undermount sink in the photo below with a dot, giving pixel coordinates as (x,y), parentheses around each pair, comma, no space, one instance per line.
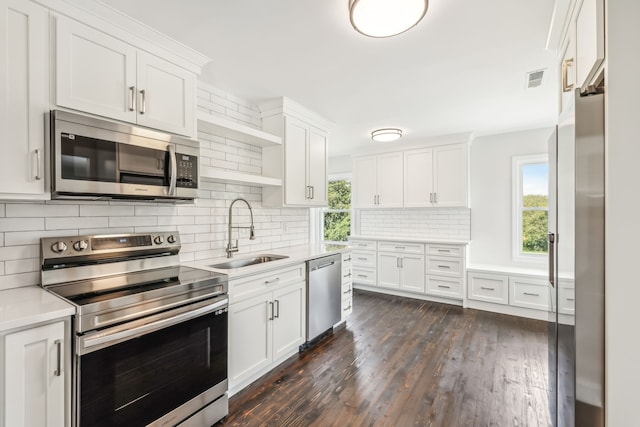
(260,259)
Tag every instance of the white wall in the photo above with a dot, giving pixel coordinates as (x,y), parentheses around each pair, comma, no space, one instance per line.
(491,194)
(622,290)
(340,164)
(202,226)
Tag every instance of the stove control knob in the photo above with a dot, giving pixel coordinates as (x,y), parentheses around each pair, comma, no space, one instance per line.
(171,239)
(158,240)
(80,245)
(59,247)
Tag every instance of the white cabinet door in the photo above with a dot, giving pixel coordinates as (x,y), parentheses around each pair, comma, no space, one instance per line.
(95,72)
(250,338)
(450,175)
(390,178)
(590,44)
(567,70)
(418,178)
(289,320)
(388,270)
(24,96)
(364,182)
(295,161)
(166,95)
(317,167)
(412,273)
(34,377)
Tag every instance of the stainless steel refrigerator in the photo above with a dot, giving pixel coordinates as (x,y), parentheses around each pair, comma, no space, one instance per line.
(576,258)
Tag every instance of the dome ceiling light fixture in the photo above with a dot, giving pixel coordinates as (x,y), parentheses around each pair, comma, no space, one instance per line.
(386,18)
(386,134)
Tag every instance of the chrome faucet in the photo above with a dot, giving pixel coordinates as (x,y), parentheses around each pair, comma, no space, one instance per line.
(230,248)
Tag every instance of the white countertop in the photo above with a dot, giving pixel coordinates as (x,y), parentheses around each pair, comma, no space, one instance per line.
(294,254)
(30,305)
(410,240)
(515,271)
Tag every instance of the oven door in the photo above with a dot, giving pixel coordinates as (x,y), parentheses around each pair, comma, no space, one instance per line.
(159,370)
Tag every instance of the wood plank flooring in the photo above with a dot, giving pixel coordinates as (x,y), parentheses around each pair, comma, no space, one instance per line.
(406,362)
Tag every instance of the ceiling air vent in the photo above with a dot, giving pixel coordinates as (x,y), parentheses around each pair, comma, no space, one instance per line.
(534,78)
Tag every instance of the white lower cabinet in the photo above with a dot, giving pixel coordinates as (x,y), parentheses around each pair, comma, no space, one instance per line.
(489,288)
(267,322)
(445,271)
(529,292)
(402,271)
(447,287)
(347,285)
(35,377)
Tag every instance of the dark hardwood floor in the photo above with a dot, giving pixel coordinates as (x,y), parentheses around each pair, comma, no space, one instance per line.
(406,362)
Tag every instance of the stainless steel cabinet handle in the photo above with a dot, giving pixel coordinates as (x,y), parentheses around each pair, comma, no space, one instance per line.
(565,75)
(362,244)
(571,299)
(348,291)
(362,258)
(362,275)
(313,192)
(143,93)
(266,282)
(347,275)
(400,247)
(443,266)
(174,170)
(397,262)
(347,259)
(487,288)
(532,294)
(132,99)
(58,370)
(37,152)
(277,309)
(430,197)
(347,308)
(444,286)
(401,262)
(444,250)
(271,310)
(325,265)
(551,238)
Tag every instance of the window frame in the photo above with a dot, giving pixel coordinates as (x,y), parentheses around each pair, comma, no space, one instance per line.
(318,215)
(517,205)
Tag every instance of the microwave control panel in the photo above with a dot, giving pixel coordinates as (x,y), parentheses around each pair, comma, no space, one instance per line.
(187,176)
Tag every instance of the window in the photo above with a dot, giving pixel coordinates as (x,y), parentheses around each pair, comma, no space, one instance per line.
(531,206)
(335,220)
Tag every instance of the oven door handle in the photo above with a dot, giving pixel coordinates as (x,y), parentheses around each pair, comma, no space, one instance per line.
(88,344)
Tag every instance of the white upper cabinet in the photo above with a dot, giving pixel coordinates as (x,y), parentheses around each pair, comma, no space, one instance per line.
(377,181)
(568,69)
(99,74)
(450,176)
(590,46)
(301,161)
(24,98)
(436,177)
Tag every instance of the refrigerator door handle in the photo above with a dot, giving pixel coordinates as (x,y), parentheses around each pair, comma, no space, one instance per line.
(551,237)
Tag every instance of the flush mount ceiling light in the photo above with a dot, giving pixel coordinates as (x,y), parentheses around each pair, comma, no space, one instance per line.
(386,18)
(386,135)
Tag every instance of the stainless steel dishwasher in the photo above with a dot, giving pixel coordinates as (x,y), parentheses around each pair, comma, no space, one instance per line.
(324,288)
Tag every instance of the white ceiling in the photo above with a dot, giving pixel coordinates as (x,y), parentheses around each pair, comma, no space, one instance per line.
(462,69)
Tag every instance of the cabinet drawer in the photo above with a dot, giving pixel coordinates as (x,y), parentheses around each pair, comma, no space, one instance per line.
(364,259)
(366,276)
(347,288)
(529,293)
(444,266)
(347,306)
(444,287)
(363,244)
(566,300)
(347,260)
(262,282)
(401,247)
(488,287)
(444,250)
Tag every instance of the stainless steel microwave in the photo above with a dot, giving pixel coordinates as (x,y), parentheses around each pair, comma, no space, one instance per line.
(98,159)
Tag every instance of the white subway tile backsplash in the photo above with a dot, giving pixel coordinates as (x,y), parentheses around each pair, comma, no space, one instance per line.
(202,225)
(429,223)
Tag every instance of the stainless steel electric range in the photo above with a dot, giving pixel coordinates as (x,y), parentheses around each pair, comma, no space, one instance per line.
(150,336)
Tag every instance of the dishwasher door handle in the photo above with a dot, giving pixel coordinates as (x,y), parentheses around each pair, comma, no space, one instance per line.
(329,264)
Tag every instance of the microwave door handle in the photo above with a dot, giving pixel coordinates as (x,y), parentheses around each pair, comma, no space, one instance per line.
(173,172)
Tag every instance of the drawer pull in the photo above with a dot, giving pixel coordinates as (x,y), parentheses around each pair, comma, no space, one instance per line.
(400,247)
(362,245)
(444,250)
(532,294)
(571,299)
(363,275)
(348,308)
(347,259)
(362,259)
(348,291)
(347,275)
(444,266)
(486,288)
(266,282)
(444,286)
